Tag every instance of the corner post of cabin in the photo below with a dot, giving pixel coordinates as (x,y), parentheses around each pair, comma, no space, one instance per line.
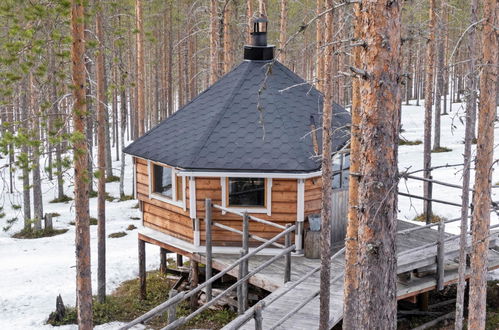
(142,268)
(300,216)
(287,256)
(208,270)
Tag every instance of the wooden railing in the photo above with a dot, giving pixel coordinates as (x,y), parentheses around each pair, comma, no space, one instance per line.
(256,311)
(244,274)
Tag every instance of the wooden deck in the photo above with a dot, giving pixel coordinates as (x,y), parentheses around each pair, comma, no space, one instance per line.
(272,279)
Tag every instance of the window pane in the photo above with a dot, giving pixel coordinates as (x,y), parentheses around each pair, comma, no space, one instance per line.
(336,181)
(163,181)
(246,192)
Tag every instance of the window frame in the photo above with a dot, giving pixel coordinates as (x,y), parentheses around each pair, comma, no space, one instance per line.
(174,200)
(343,171)
(265,209)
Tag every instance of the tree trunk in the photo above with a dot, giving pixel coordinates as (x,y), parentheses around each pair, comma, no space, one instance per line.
(228,36)
(351,282)
(484,168)
(89,131)
(327,178)
(214,52)
(377,191)
(25,153)
(82,221)
(140,68)
(440,80)
(319,39)
(37,180)
(283,36)
(263,6)
(249,15)
(428,91)
(101,156)
(469,134)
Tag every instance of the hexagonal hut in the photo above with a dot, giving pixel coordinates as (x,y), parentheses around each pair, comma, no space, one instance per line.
(249,143)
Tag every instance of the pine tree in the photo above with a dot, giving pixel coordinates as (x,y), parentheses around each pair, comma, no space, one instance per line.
(379,127)
(80,149)
(484,168)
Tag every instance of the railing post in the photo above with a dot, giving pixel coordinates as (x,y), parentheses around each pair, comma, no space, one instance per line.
(427,203)
(287,256)
(441,255)
(241,299)
(258,316)
(172,310)
(299,237)
(244,267)
(208,269)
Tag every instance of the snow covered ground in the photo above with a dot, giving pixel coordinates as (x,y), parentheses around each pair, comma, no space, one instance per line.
(34,272)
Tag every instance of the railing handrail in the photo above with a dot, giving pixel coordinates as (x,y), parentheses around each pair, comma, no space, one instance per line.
(184,296)
(266,222)
(230,288)
(255,237)
(249,313)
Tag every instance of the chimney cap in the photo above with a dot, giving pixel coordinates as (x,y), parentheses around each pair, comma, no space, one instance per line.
(260,24)
(259,50)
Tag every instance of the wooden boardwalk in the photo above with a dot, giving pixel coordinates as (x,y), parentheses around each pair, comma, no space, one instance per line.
(272,279)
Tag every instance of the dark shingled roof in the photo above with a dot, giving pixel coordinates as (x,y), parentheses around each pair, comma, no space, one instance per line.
(245,122)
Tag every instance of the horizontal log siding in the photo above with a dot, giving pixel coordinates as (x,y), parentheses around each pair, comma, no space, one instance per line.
(284,194)
(159,215)
(313,193)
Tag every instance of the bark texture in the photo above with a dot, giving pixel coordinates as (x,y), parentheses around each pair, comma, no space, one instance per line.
(327,170)
(82,221)
(140,68)
(483,176)
(377,191)
(351,281)
(101,157)
(428,102)
(214,53)
(283,30)
(470,100)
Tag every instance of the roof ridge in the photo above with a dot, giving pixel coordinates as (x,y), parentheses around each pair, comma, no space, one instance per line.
(221,113)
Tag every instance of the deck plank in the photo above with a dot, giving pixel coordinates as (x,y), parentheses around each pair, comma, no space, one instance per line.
(308,316)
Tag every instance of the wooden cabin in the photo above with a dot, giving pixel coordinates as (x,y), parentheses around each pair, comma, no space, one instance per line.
(250,143)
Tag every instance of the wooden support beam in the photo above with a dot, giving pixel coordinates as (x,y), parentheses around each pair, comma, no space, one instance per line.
(180,260)
(142,269)
(423,300)
(163,267)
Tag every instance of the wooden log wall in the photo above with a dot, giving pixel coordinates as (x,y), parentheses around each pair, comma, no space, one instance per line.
(159,215)
(284,195)
(313,193)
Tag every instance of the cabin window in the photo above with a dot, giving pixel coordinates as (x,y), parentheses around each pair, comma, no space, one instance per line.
(163,183)
(166,184)
(341,171)
(246,192)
